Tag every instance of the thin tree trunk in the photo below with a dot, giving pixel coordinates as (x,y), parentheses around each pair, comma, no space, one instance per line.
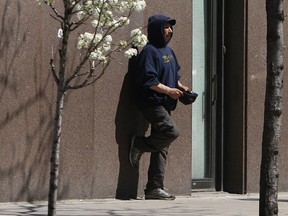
(54,169)
(268,205)
(61,90)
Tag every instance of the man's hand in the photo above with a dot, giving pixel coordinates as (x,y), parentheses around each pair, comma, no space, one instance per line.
(175,93)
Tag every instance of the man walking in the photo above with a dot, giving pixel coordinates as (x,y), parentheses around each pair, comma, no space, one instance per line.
(158,84)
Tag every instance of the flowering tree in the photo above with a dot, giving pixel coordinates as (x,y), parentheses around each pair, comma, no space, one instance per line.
(95,49)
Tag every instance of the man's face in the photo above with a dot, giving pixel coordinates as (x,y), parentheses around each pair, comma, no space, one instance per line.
(167,32)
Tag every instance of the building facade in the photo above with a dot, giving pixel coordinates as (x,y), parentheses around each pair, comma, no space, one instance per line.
(221,47)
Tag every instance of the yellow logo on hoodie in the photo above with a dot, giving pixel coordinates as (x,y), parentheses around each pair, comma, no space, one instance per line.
(167,58)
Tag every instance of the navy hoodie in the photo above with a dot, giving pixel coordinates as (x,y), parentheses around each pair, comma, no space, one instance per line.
(156,64)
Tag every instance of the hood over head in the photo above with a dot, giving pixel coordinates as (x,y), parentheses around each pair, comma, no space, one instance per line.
(156,25)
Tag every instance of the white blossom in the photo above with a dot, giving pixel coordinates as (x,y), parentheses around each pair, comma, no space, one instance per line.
(97,55)
(135,32)
(122,43)
(139,39)
(106,16)
(105,47)
(139,5)
(87,39)
(94,23)
(123,6)
(130,52)
(108,39)
(81,15)
(113,1)
(124,20)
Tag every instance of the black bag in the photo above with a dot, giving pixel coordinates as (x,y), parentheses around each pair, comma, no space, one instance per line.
(188,97)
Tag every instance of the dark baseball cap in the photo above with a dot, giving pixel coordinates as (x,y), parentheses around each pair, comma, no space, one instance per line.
(171,21)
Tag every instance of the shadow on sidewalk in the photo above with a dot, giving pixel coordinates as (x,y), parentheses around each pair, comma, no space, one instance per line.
(24,209)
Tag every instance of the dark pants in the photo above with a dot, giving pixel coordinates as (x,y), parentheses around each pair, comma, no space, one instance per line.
(163,132)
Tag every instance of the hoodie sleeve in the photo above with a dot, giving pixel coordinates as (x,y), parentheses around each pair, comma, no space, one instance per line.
(148,68)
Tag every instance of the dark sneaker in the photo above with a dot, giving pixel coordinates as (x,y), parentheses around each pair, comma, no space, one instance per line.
(134,154)
(158,194)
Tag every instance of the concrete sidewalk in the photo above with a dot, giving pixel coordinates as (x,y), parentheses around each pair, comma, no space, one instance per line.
(198,204)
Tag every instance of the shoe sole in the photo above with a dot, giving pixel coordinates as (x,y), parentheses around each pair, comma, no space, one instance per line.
(160,198)
(131,146)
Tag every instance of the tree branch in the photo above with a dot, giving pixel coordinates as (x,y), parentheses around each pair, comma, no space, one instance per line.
(59,20)
(90,80)
(53,70)
(56,12)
